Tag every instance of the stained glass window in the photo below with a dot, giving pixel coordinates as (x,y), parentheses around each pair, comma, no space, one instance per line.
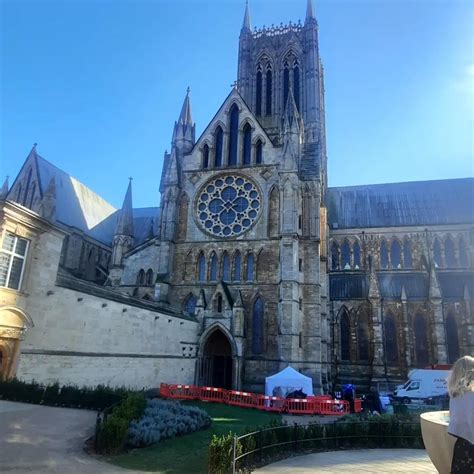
(407,255)
(296,85)
(286,85)
(258,98)
(250,268)
(268,101)
(205,157)
(395,253)
(237,266)
(346,255)
(356,250)
(233,135)
(201,268)
(219,147)
(228,205)
(226,267)
(383,255)
(247,148)
(259,152)
(334,256)
(213,272)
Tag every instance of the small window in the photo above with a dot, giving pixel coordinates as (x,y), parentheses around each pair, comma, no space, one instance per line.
(213,271)
(259,153)
(237,266)
(356,250)
(346,255)
(250,268)
(300,264)
(12,261)
(395,252)
(141,277)
(383,255)
(205,157)
(201,268)
(226,267)
(219,146)
(414,386)
(149,277)
(219,303)
(247,148)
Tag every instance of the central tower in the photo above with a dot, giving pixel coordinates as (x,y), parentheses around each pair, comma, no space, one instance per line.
(243,220)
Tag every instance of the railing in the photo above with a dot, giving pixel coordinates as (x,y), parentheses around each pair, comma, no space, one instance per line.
(318,405)
(268,445)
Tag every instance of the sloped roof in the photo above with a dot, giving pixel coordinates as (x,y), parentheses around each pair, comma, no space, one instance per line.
(80,207)
(416,285)
(434,202)
(452,284)
(76,204)
(348,287)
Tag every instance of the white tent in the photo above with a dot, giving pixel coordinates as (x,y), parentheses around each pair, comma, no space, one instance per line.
(287,381)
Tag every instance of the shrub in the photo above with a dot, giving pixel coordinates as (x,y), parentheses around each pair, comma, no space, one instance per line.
(221,450)
(96,398)
(111,434)
(166,419)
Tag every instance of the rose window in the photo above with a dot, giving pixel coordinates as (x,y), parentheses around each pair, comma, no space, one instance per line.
(228,205)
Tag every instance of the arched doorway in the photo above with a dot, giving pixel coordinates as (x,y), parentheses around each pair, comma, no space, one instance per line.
(216,363)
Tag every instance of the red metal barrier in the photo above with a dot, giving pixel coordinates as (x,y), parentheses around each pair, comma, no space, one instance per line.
(300,406)
(164,390)
(265,402)
(357,405)
(212,394)
(241,399)
(184,392)
(333,407)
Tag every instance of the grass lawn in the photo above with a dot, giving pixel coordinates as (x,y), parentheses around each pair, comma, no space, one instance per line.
(188,454)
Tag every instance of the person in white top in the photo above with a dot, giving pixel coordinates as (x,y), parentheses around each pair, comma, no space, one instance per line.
(461,412)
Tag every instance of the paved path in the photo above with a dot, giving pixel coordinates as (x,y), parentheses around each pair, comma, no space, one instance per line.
(40,439)
(367,461)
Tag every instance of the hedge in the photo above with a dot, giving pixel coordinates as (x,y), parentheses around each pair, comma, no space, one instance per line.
(386,431)
(70,396)
(112,433)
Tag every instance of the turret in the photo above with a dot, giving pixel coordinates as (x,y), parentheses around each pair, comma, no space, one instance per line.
(184,128)
(124,234)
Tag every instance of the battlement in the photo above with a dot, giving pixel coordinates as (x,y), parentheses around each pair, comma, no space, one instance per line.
(277,30)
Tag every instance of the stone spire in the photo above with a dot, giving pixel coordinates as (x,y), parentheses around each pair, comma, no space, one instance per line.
(125,221)
(184,128)
(434,290)
(4,189)
(309,11)
(246,25)
(291,121)
(47,208)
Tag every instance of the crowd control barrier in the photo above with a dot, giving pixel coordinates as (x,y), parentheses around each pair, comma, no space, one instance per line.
(313,405)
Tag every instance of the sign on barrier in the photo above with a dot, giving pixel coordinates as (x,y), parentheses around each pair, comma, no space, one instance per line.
(268,403)
(241,399)
(212,394)
(184,392)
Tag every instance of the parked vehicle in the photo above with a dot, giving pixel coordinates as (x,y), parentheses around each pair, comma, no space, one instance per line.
(423,384)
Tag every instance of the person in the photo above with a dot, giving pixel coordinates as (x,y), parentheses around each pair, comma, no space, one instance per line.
(461,412)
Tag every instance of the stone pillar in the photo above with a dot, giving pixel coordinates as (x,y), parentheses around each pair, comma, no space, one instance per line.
(406,329)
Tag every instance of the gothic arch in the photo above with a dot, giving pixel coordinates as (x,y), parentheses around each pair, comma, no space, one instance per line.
(13,316)
(396,247)
(384,252)
(407,253)
(235,101)
(250,263)
(149,277)
(218,326)
(226,267)
(357,254)
(345,338)
(213,267)
(201,267)
(237,266)
(141,277)
(258,137)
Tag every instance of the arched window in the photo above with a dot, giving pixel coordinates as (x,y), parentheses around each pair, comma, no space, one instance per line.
(141,277)
(247,148)
(356,250)
(346,255)
(249,275)
(334,256)
(219,145)
(296,84)
(259,152)
(237,266)
(27,188)
(450,257)
(205,157)
(257,326)
(345,336)
(363,338)
(219,303)
(273,212)
(258,94)
(452,339)
(135,293)
(226,267)
(383,255)
(190,305)
(407,254)
(233,135)
(395,254)
(149,277)
(421,340)
(463,258)
(391,340)
(286,84)
(268,96)
(201,268)
(213,268)
(32,195)
(437,253)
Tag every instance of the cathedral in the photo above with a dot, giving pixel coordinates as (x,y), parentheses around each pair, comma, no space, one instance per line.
(250,263)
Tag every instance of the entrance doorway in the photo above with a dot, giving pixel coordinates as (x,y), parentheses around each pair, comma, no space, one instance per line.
(216,364)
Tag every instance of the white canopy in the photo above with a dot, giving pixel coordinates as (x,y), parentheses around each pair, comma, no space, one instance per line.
(287,381)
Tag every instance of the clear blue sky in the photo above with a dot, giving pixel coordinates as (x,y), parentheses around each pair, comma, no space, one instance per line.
(98,84)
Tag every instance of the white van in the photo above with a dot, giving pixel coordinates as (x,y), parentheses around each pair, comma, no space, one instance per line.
(423,384)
